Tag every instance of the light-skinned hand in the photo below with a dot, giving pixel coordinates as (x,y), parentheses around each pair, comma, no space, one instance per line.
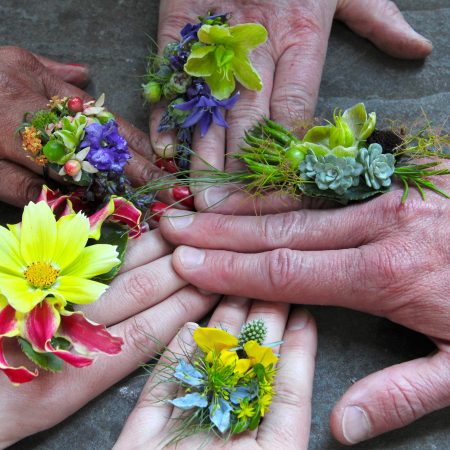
(290,65)
(381,257)
(286,425)
(147,298)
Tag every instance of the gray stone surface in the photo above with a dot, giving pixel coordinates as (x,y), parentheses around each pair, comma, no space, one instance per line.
(113,37)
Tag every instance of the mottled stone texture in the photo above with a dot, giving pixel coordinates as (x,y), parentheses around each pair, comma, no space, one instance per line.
(113,38)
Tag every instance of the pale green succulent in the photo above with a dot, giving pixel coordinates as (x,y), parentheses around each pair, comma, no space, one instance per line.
(222,54)
(71,134)
(331,172)
(378,166)
(342,138)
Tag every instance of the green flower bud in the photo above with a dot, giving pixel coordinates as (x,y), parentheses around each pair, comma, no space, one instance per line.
(170,49)
(294,155)
(105,116)
(178,84)
(152,92)
(255,330)
(340,134)
(178,115)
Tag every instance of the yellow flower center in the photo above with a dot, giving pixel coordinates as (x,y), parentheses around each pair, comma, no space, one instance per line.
(41,275)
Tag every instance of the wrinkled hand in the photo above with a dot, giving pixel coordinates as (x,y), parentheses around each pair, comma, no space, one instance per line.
(27,82)
(380,257)
(147,298)
(286,425)
(290,65)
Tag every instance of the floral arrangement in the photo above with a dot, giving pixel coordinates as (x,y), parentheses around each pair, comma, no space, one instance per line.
(69,244)
(197,77)
(346,160)
(226,385)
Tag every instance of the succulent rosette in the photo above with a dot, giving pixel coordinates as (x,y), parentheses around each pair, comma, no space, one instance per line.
(227,385)
(197,76)
(347,159)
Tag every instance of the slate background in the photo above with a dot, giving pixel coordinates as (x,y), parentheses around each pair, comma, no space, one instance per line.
(112,36)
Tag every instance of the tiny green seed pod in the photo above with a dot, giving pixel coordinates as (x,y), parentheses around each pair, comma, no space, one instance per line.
(152,91)
(105,116)
(294,156)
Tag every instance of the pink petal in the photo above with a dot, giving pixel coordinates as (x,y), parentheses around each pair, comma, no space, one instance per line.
(61,205)
(16,375)
(7,320)
(97,219)
(41,324)
(125,212)
(88,337)
(68,357)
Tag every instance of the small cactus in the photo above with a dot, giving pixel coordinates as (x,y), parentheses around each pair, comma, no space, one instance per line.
(255,330)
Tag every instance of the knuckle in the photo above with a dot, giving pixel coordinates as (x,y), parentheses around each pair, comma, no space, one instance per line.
(282,229)
(282,266)
(138,336)
(141,288)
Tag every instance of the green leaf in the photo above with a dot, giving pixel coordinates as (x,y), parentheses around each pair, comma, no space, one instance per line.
(256,419)
(240,426)
(318,135)
(60,343)
(46,361)
(113,234)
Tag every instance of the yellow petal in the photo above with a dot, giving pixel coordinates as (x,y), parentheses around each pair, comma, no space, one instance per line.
(15,230)
(10,259)
(78,290)
(21,296)
(38,234)
(228,358)
(214,339)
(73,233)
(94,260)
(259,354)
(242,366)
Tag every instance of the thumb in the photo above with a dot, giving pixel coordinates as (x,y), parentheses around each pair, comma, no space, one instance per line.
(381,22)
(76,74)
(392,398)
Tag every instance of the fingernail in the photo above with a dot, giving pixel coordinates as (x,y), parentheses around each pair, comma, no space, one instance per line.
(355,424)
(298,320)
(190,257)
(203,292)
(214,196)
(164,146)
(179,219)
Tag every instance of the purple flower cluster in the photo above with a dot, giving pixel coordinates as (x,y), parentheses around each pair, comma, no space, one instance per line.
(206,109)
(109,150)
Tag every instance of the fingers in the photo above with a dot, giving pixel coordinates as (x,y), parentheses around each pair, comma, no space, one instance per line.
(18,185)
(151,407)
(299,68)
(298,230)
(287,423)
(76,74)
(251,106)
(149,247)
(335,277)
(231,314)
(136,290)
(392,398)
(381,22)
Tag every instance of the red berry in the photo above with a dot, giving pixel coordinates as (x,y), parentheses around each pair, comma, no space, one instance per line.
(169,165)
(158,209)
(184,195)
(72,167)
(75,104)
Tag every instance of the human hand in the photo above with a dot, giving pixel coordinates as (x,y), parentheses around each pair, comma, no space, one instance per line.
(290,65)
(147,298)
(381,257)
(286,425)
(27,82)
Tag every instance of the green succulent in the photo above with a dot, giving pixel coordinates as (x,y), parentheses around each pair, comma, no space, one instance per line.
(221,55)
(331,172)
(255,330)
(378,166)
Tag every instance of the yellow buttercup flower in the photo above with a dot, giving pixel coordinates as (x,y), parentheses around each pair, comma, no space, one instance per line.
(42,257)
(245,410)
(214,339)
(259,354)
(264,403)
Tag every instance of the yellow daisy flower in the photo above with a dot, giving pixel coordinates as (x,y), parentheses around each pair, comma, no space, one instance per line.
(42,257)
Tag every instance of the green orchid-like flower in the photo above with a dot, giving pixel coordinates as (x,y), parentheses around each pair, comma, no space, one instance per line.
(343,138)
(70,135)
(222,55)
